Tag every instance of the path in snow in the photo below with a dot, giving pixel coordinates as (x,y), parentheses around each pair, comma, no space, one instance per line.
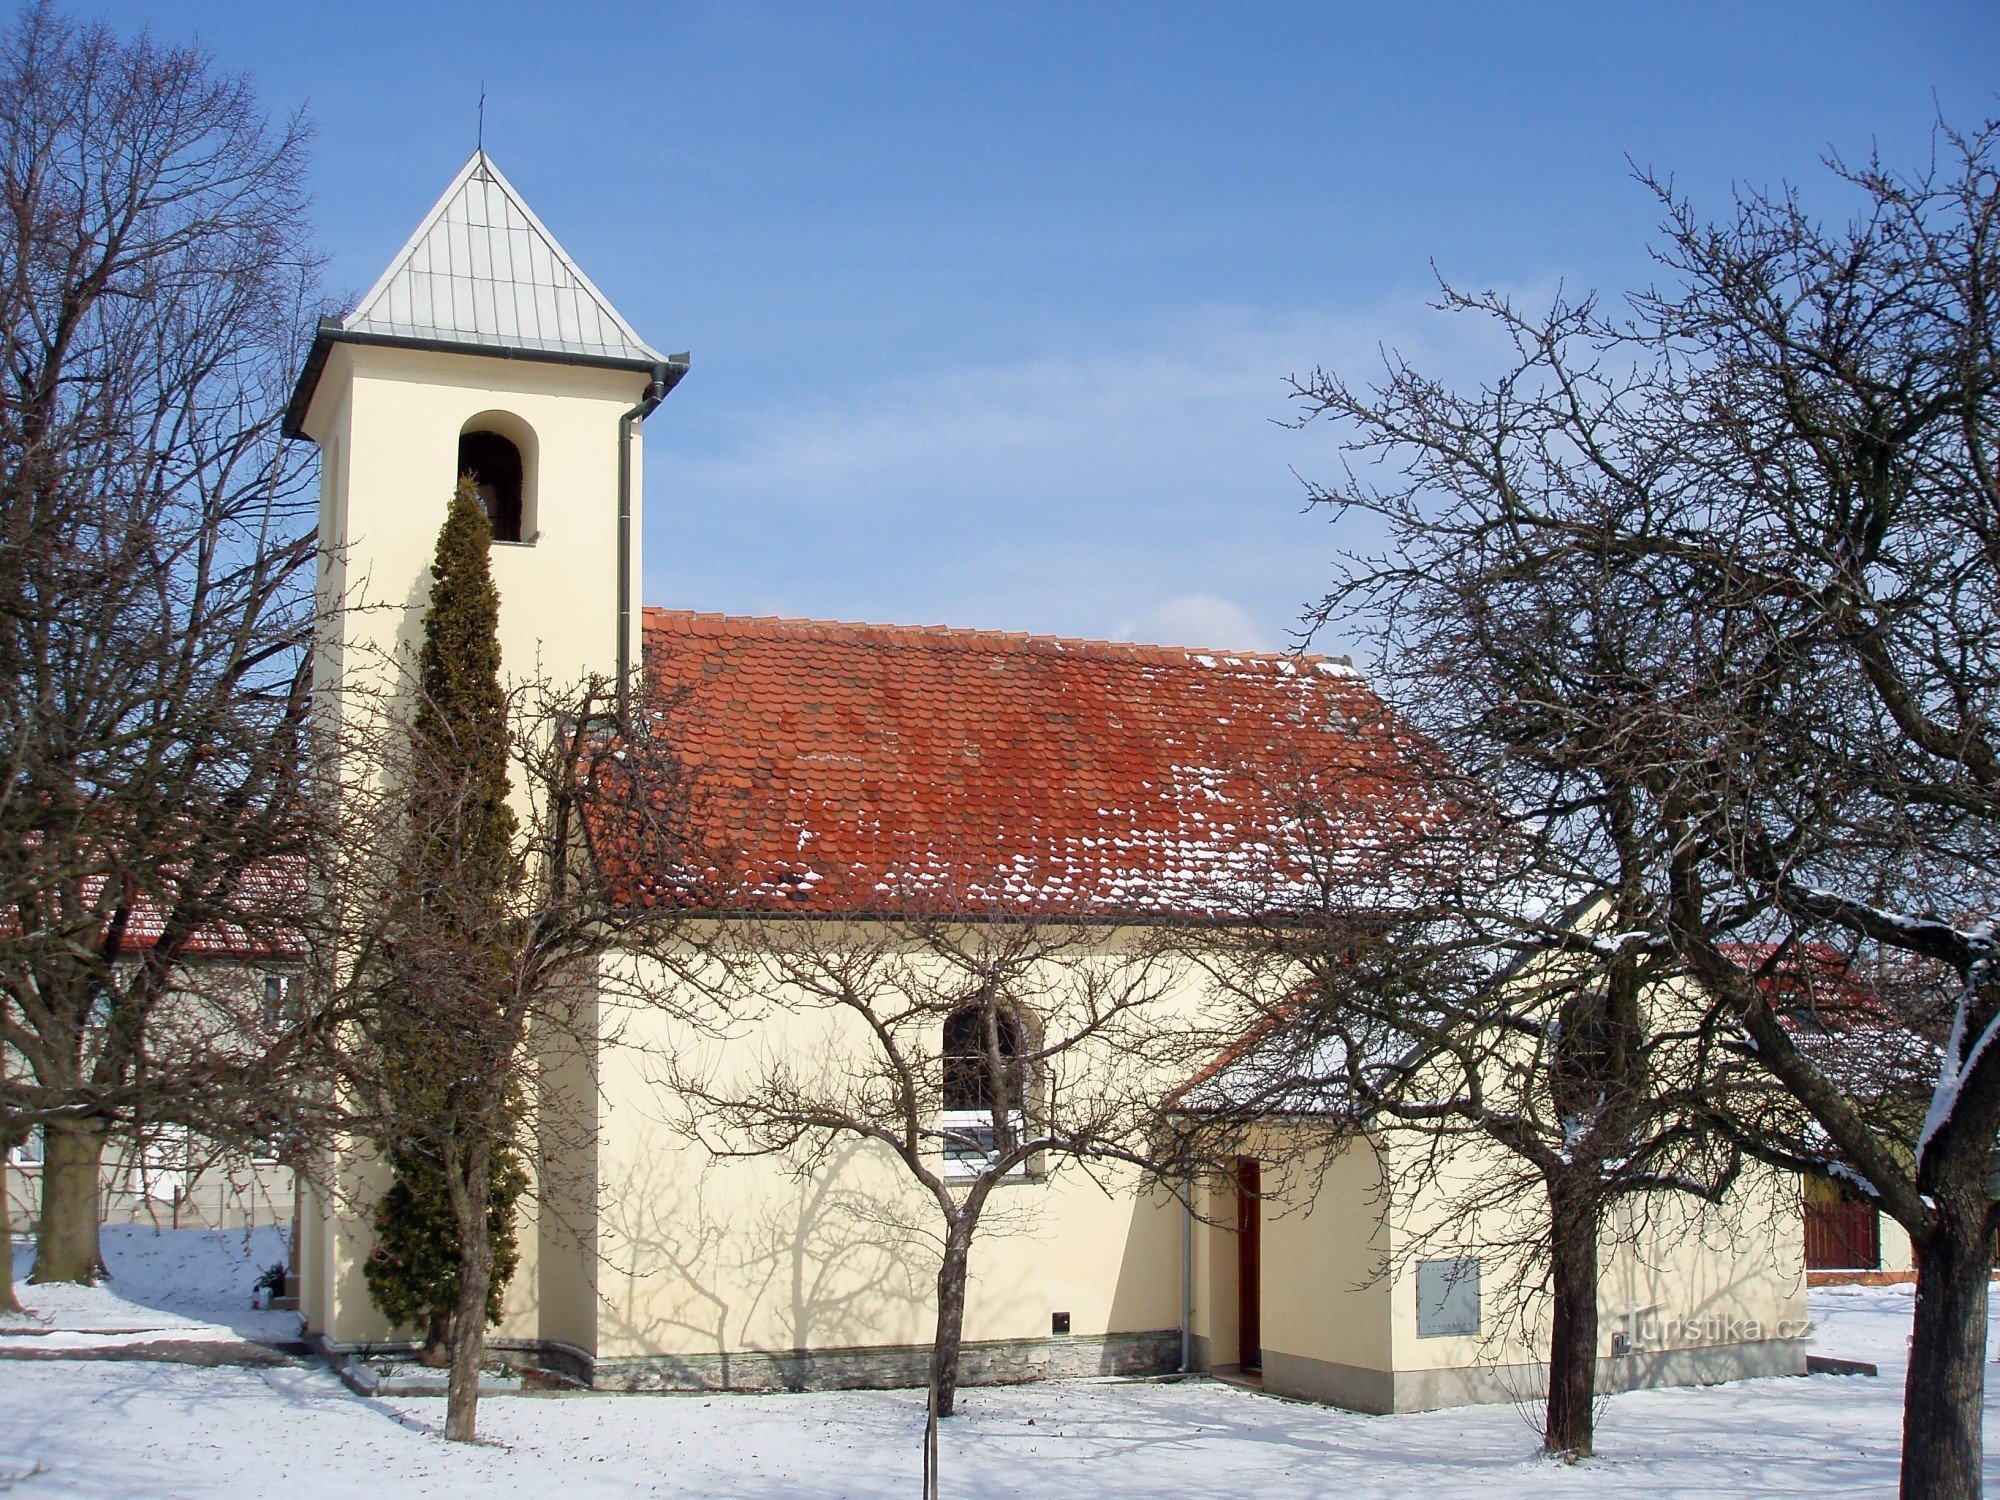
(188,1284)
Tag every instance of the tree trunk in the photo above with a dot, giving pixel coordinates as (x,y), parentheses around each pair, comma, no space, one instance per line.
(950,1318)
(66,1247)
(1943,1395)
(475,1279)
(930,1444)
(1568,1428)
(436,1353)
(9,1303)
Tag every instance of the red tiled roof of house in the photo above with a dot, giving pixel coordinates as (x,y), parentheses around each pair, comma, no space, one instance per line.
(270,894)
(1813,979)
(852,767)
(262,921)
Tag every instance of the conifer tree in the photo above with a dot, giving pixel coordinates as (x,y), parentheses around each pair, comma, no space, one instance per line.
(444,1027)
(475,944)
(462,828)
(413,1271)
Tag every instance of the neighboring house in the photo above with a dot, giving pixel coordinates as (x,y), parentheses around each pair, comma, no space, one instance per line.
(855,771)
(1873,1042)
(224,985)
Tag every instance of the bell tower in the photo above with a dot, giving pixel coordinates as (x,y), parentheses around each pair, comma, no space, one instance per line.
(482,348)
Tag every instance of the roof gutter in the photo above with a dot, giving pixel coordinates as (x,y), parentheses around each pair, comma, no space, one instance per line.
(666,375)
(330,333)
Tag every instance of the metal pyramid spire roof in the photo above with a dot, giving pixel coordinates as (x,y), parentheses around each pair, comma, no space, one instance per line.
(483,271)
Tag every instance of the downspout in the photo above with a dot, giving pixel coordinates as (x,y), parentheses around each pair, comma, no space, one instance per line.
(1187,1276)
(666,375)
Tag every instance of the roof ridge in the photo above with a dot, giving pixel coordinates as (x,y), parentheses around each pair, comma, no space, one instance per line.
(1296,660)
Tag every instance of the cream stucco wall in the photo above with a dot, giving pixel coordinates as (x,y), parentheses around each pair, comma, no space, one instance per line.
(1899,1257)
(708,1255)
(641,1244)
(642,1248)
(1698,1292)
(388,422)
(1325,1242)
(1675,1273)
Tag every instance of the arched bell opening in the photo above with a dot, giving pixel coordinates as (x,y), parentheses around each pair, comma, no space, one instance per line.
(495,466)
(498,450)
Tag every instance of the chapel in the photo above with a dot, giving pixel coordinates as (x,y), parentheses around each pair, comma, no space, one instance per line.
(855,768)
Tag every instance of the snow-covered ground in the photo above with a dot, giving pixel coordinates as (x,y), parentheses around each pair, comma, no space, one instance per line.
(113,1428)
(176,1284)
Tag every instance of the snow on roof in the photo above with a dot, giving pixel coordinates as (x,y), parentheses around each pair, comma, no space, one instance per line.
(482,270)
(1300,1058)
(851,767)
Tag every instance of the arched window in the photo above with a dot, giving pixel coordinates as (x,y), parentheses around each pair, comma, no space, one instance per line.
(978,1086)
(494,462)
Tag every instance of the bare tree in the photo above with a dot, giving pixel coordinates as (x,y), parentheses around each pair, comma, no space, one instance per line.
(156,549)
(1532,1085)
(973,1048)
(1770,488)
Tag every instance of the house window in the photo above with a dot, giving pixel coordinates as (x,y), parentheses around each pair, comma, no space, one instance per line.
(280,1006)
(29,1152)
(494,463)
(984,1079)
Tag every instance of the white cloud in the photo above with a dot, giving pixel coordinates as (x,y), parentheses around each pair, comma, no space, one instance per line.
(1181,407)
(1198,620)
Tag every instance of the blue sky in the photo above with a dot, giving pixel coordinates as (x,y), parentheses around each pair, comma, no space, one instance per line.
(991,307)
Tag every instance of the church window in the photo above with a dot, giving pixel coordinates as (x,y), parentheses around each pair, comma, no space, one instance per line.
(494,463)
(977,1094)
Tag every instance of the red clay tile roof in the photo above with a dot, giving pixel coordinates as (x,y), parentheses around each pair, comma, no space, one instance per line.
(874,767)
(1816,980)
(90,909)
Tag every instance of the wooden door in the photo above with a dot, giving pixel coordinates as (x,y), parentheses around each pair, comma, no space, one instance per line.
(1842,1236)
(1249,1266)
